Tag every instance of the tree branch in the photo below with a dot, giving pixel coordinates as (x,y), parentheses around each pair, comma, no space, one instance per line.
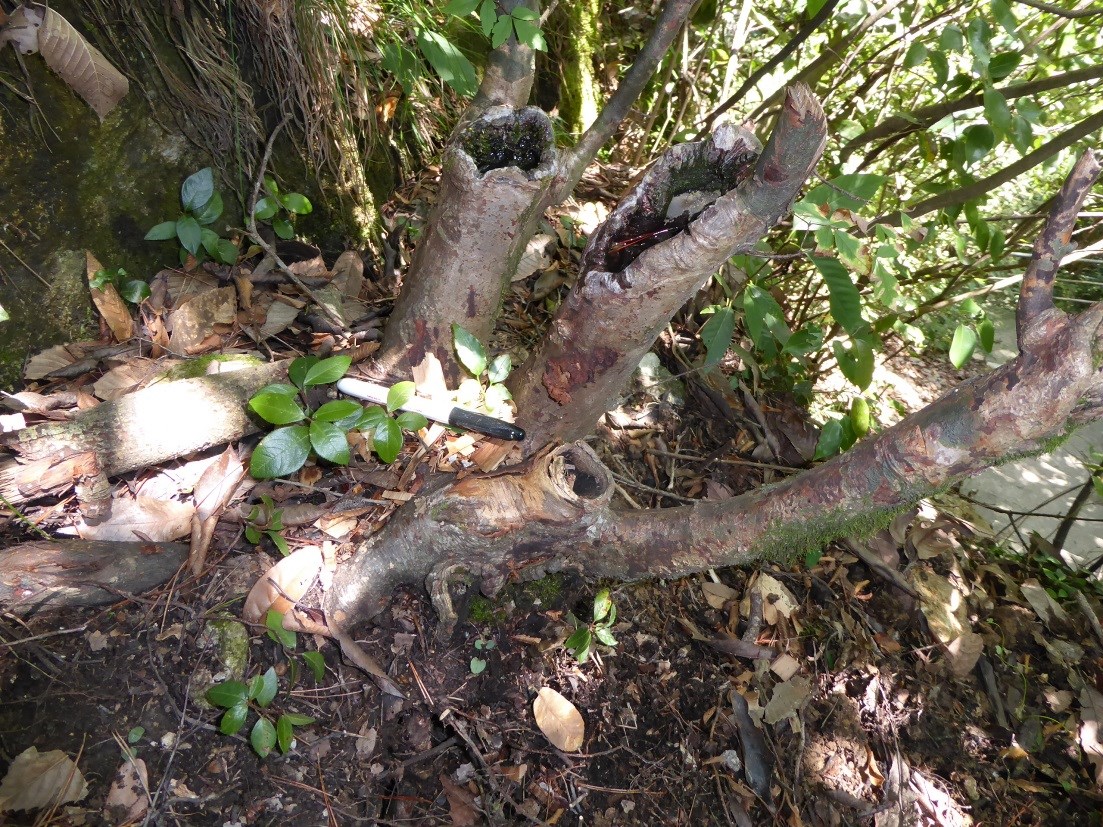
(805,32)
(897,126)
(1036,295)
(575,161)
(1060,12)
(1008,173)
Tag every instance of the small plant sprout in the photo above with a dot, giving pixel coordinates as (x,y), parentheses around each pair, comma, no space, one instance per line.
(324,431)
(581,642)
(479,664)
(238,698)
(134,291)
(201,205)
(265,520)
(280,208)
(485,390)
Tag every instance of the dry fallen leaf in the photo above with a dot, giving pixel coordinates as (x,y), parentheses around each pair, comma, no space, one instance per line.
(1045,606)
(81,65)
(965,651)
(941,603)
(717,594)
(284,584)
(142,518)
(1091,730)
(109,302)
(128,799)
(559,720)
(44,779)
(787,699)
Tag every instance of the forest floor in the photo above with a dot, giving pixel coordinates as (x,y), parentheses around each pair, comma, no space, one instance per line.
(921,676)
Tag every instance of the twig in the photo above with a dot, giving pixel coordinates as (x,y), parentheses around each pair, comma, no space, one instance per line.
(251,229)
(34,272)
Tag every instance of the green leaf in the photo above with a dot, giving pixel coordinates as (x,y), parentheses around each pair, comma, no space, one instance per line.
(962,346)
(233,719)
(327,371)
(210,239)
(951,39)
(273,622)
(997,113)
(941,67)
(604,636)
(399,394)
(846,192)
(387,440)
(134,291)
(317,663)
(344,412)
(844,300)
(716,334)
(282,452)
(211,210)
(579,644)
(197,189)
(997,244)
(162,232)
(916,54)
(503,28)
(469,351)
(1026,107)
(189,233)
(266,208)
(252,534)
(1004,16)
(329,442)
(297,203)
(804,341)
(979,34)
(299,369)
(277,408)
(283,228)
(855,362)
(986,332)
(269,686)
(460,8)
(521,13)
(529,33)
(499,368)
(279,543)
(496,396)
(256,685)
(830,440)
(284,734)
(979,140)
(371,418)
(1003,64)
(228,694)
(135,735)
(299,720)
(226,252)
(447,61)
(410,421)
(271,187)
(477,665)
(488,16)
(603,602)
(263,737)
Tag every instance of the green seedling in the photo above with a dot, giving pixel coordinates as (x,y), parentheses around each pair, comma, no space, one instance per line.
(324,431)
(280,208)
(315,661)
(134,291)
(581,642)
(201,206)
(238,698)
(265,520)
(479,664)
(484,391)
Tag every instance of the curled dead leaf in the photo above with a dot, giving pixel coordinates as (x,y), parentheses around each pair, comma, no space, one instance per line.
(559,720)
(41,779)
(284,584)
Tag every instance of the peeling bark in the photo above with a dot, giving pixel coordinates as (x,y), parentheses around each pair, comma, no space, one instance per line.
(611,319)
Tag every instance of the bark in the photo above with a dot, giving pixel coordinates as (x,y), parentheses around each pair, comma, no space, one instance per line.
(54,574)
(614,313)
(145,428)
(554,510)
(494,177)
